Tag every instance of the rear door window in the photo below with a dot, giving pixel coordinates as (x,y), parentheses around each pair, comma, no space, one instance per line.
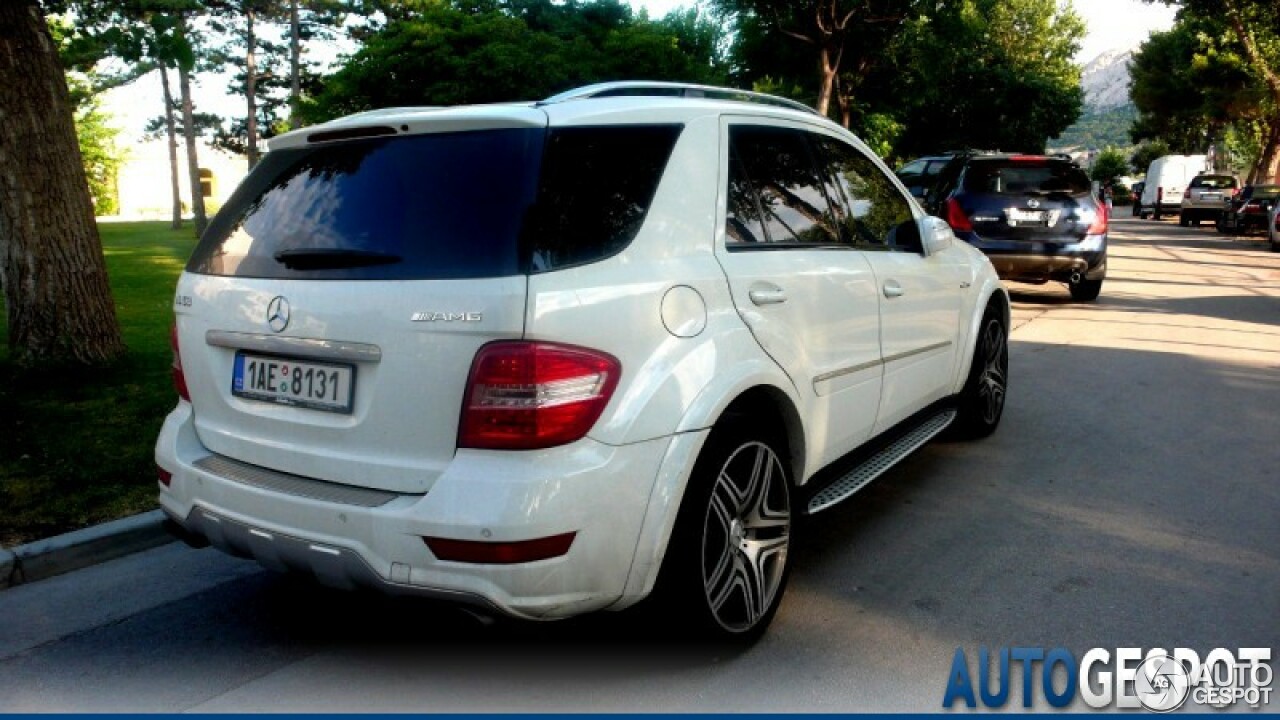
(775,193)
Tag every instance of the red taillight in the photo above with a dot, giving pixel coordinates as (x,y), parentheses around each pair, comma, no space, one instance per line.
(164,476)
(956,216)
(179,378)
(499,553)
(1099,225)
(530,395)
(1251,209)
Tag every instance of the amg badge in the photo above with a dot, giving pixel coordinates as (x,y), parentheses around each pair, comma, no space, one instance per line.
(447,317)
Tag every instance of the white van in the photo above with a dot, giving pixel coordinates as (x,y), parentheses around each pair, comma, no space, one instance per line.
(1167,180)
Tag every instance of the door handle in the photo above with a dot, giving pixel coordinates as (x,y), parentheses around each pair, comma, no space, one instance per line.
(767,295)
(892,289)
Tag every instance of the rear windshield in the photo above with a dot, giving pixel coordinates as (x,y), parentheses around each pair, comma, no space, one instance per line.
(1019,177)
(439,206)
(1213,181)
(1262,191)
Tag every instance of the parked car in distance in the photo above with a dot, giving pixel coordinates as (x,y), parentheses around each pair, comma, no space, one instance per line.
(1035,216)
(1249,210)
(560,356)
(1205,197)
(1136,200)
(1166,181)
(921,174)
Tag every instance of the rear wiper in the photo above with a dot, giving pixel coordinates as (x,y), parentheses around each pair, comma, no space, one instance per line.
(332,258)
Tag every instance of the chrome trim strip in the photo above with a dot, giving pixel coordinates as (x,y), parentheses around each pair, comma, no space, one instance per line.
(916,351)
(315,349)
(868,365)
(847,371)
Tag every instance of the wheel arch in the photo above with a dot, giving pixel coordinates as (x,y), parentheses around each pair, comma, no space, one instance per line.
(995,292)
(748,400)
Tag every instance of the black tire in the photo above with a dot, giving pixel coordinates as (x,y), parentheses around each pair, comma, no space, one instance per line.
(1220,226)
(1085,290)
(1155,213)
(1137,209)
(981,402)
(726,566)
(1183,220)
(1275,246)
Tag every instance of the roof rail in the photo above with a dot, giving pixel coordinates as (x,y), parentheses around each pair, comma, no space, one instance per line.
(642,88)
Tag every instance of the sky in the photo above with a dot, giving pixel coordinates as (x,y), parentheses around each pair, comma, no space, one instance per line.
(1112,24)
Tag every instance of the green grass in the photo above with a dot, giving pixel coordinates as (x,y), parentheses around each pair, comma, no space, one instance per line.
(76,445)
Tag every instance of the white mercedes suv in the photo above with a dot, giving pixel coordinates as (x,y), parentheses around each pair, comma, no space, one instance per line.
(555,357)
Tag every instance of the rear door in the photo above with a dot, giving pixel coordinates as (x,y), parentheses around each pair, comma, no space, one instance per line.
(808,296)
(328,319)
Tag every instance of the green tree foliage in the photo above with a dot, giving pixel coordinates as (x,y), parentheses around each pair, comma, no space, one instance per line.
(94,132)
(1212,79)
(1109,165)
(1141,158)
(499,51)
(931,76)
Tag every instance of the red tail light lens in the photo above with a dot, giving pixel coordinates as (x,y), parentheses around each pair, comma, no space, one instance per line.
(956,216)
(164,476)
(179,378)
(529,395)
(1100,221)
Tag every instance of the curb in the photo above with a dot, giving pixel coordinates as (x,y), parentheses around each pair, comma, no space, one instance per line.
(82,548)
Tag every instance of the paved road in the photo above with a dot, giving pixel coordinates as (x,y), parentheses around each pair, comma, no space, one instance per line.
(1131,498)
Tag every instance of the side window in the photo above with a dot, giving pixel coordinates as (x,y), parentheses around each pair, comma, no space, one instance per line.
(875,206)
(775,195)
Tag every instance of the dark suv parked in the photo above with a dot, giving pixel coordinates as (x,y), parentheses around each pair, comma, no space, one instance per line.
(1034,216)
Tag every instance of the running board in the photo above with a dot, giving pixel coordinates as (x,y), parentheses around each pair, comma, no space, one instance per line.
(874,466)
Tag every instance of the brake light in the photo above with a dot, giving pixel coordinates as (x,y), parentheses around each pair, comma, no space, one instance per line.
(164,476)
(530,395)
(179,378)
(1100,221)
(956,216)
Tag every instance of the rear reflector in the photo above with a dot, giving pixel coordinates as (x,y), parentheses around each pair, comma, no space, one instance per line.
(164,476)
(528,395)
(956,216)
(500,553)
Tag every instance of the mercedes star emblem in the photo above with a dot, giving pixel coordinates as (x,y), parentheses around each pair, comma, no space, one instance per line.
(278,314)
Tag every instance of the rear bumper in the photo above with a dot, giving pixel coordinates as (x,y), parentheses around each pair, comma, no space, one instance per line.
(1043,268)
(350,537)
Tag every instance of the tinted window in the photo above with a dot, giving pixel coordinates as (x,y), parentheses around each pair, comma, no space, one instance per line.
(875,206)
(1018,177)
(597,185)
(1213,181)
(415,207)
(775,189)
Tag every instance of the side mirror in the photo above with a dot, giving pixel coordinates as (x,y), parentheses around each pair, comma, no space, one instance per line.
(936,235)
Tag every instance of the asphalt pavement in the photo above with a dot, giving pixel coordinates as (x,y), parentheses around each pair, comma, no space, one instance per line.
(1131,498)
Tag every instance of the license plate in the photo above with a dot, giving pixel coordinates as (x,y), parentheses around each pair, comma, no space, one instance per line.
(287,381)
(1026,217)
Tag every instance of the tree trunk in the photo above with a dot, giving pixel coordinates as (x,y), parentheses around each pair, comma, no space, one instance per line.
(843,101)
(250,90)
(1267,170)
(826,80)
(53,274)
(295,64)
(193,161)
(171,133)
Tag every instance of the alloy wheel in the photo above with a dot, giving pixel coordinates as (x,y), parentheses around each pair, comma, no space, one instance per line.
(995,370)
(746,534)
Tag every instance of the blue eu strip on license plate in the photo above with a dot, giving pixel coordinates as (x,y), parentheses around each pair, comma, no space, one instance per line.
(293,381)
